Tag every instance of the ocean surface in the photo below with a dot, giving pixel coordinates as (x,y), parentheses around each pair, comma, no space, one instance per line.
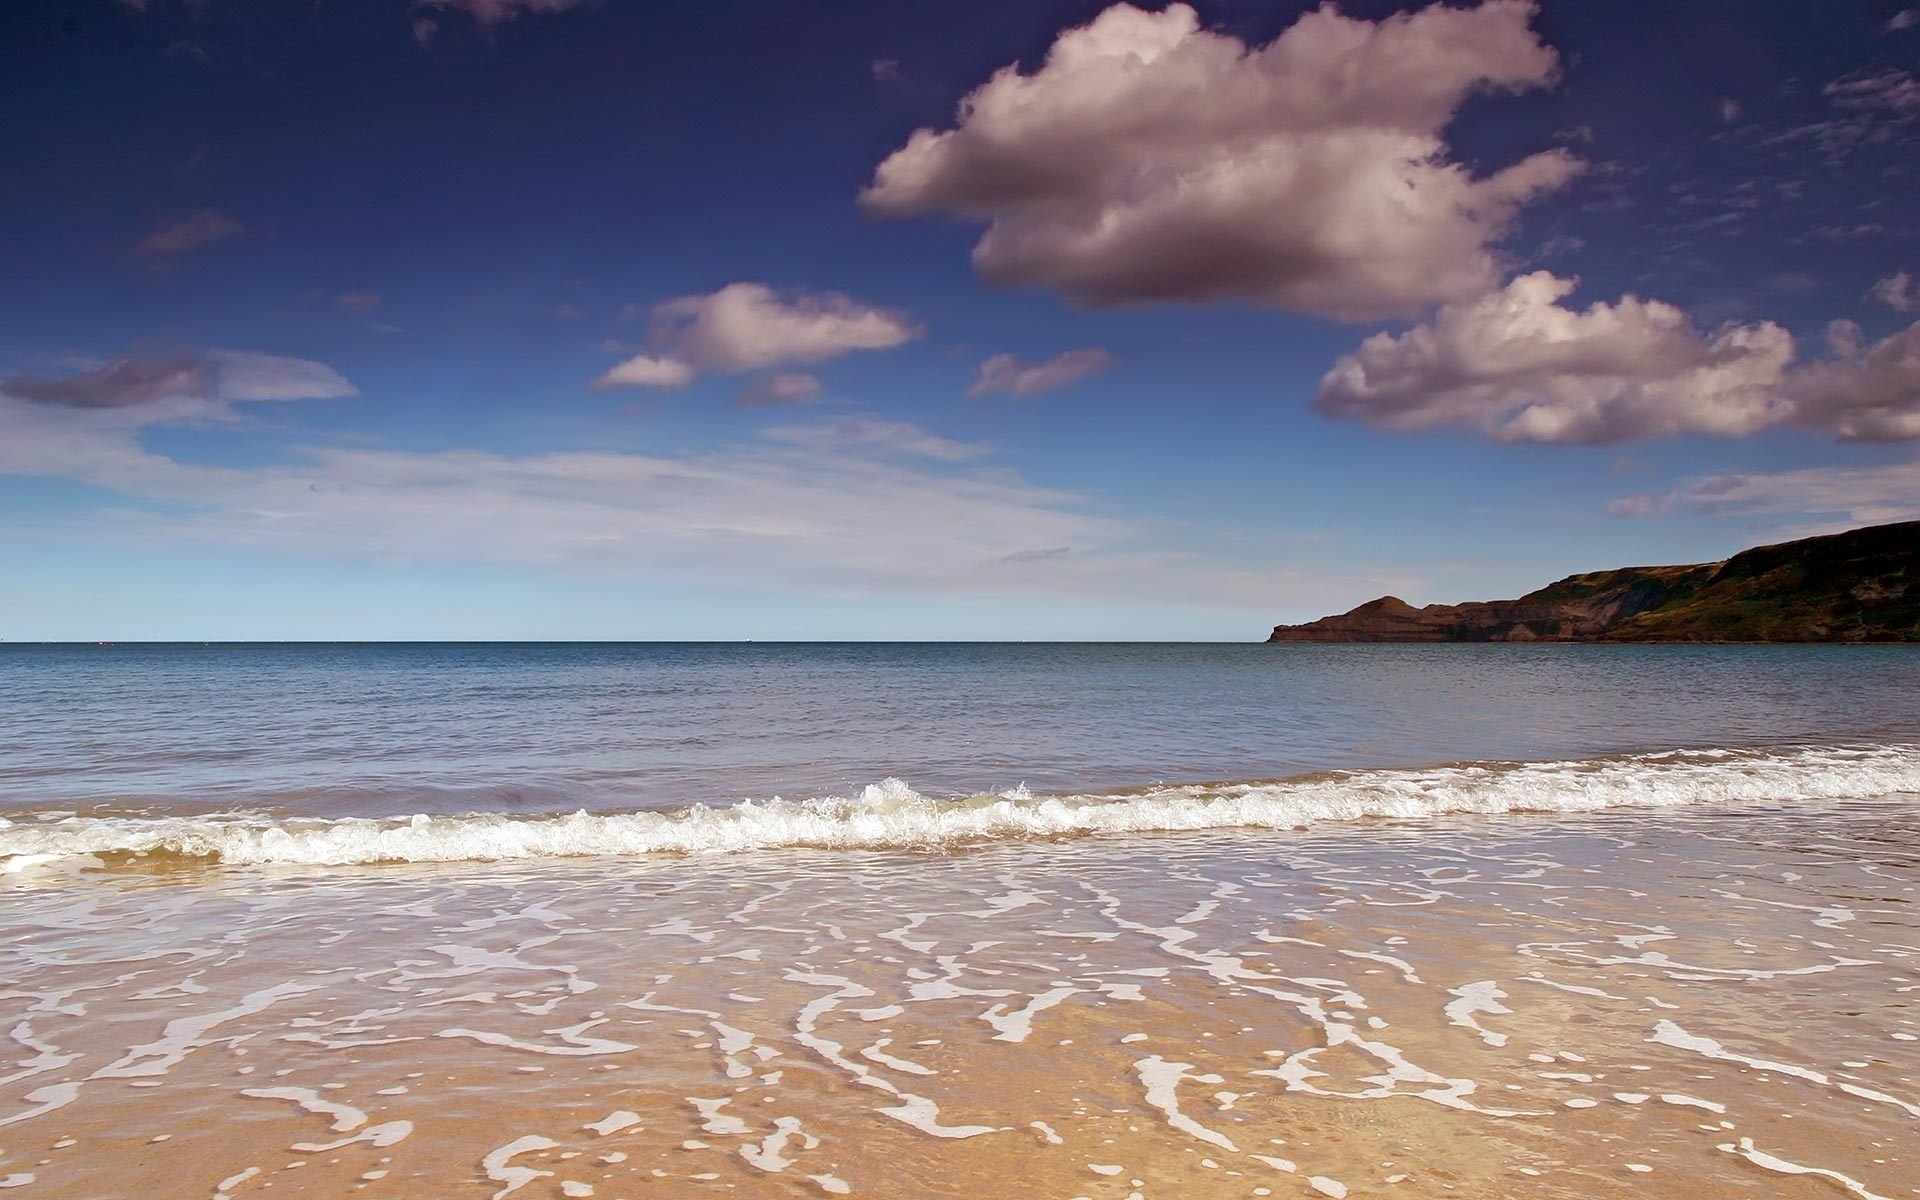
(1110,922)
(347,753)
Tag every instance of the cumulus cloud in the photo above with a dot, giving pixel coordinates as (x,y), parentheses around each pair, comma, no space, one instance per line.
(181,236)
(164,385)
(1149,159)
(1866,395)
(1012,376)
(1904,19)
(1896,292)
(1519,366)
(751,327)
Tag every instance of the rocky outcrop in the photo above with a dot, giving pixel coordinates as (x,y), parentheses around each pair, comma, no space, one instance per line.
(1859,586)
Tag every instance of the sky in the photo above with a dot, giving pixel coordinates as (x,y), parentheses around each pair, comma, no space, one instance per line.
(843,319)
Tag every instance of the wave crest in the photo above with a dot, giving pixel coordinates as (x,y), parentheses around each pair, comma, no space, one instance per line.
(891,815)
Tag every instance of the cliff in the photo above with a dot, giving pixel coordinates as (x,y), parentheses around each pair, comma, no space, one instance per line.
(1859,586)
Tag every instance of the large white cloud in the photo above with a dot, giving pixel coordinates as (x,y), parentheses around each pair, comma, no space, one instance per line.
(751,327)
(1151,160)
(1519,365)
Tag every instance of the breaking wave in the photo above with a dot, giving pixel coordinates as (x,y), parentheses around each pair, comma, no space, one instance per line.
(891,815)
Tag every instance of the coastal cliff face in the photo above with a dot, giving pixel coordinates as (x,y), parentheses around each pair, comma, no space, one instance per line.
(1859,586)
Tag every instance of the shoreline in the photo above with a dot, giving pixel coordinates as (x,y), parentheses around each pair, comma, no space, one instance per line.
(1479,1005)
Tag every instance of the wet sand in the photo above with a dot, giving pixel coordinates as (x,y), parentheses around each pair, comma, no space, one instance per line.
(1705,1003)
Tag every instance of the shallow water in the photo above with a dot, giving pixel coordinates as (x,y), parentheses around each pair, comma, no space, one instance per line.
(1709,1002)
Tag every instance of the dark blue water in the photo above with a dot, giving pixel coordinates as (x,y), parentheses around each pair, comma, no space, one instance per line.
(332,730)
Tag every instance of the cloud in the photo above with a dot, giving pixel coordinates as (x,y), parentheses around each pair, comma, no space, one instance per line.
(867,436)
(493,12)
(1884,89)
(1730,110)
(183,235)
(1151,160)
(1006,374)
(1870,395)
(1870,495)
(484,13)
(859,507)
(1896,292)
(846,505)
(359,304)
(751,327)
(499,12)
(645,370)
(1904,19)
(121,383)
(1518,366)
(788,387)
(178,384)
(1041,554)
(885,70)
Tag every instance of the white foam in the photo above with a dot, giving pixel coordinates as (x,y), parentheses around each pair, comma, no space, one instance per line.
(346,1117)
(497,1164)
(1481,997)
(891,814)
(1162,1081)
(1760,1158)
(1667,1033)
(614,1122)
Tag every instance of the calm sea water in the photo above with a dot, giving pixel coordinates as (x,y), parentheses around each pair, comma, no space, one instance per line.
(381,730)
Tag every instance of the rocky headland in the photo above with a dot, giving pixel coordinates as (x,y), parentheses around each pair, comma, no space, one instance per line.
(1858,586)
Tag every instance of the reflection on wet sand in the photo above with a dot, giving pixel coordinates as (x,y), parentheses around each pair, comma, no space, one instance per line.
(1708,1002)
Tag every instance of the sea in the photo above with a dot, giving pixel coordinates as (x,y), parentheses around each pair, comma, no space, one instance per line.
(945,919)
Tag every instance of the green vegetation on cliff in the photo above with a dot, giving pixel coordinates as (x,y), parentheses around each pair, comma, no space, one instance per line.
(1858,586)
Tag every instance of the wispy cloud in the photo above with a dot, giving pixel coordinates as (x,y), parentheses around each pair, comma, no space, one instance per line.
(1854,495)
(484,13)
(1896,291)
(180,236)
(859,505)
(869,436)
(1005,374)
(160,386)
(787,387)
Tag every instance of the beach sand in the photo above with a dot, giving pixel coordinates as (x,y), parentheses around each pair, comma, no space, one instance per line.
(1704,1003)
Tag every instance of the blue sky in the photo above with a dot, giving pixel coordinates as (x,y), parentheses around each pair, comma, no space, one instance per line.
(572,319)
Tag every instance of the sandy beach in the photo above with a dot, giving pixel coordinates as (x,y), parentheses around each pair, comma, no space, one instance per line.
(1715,1003)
